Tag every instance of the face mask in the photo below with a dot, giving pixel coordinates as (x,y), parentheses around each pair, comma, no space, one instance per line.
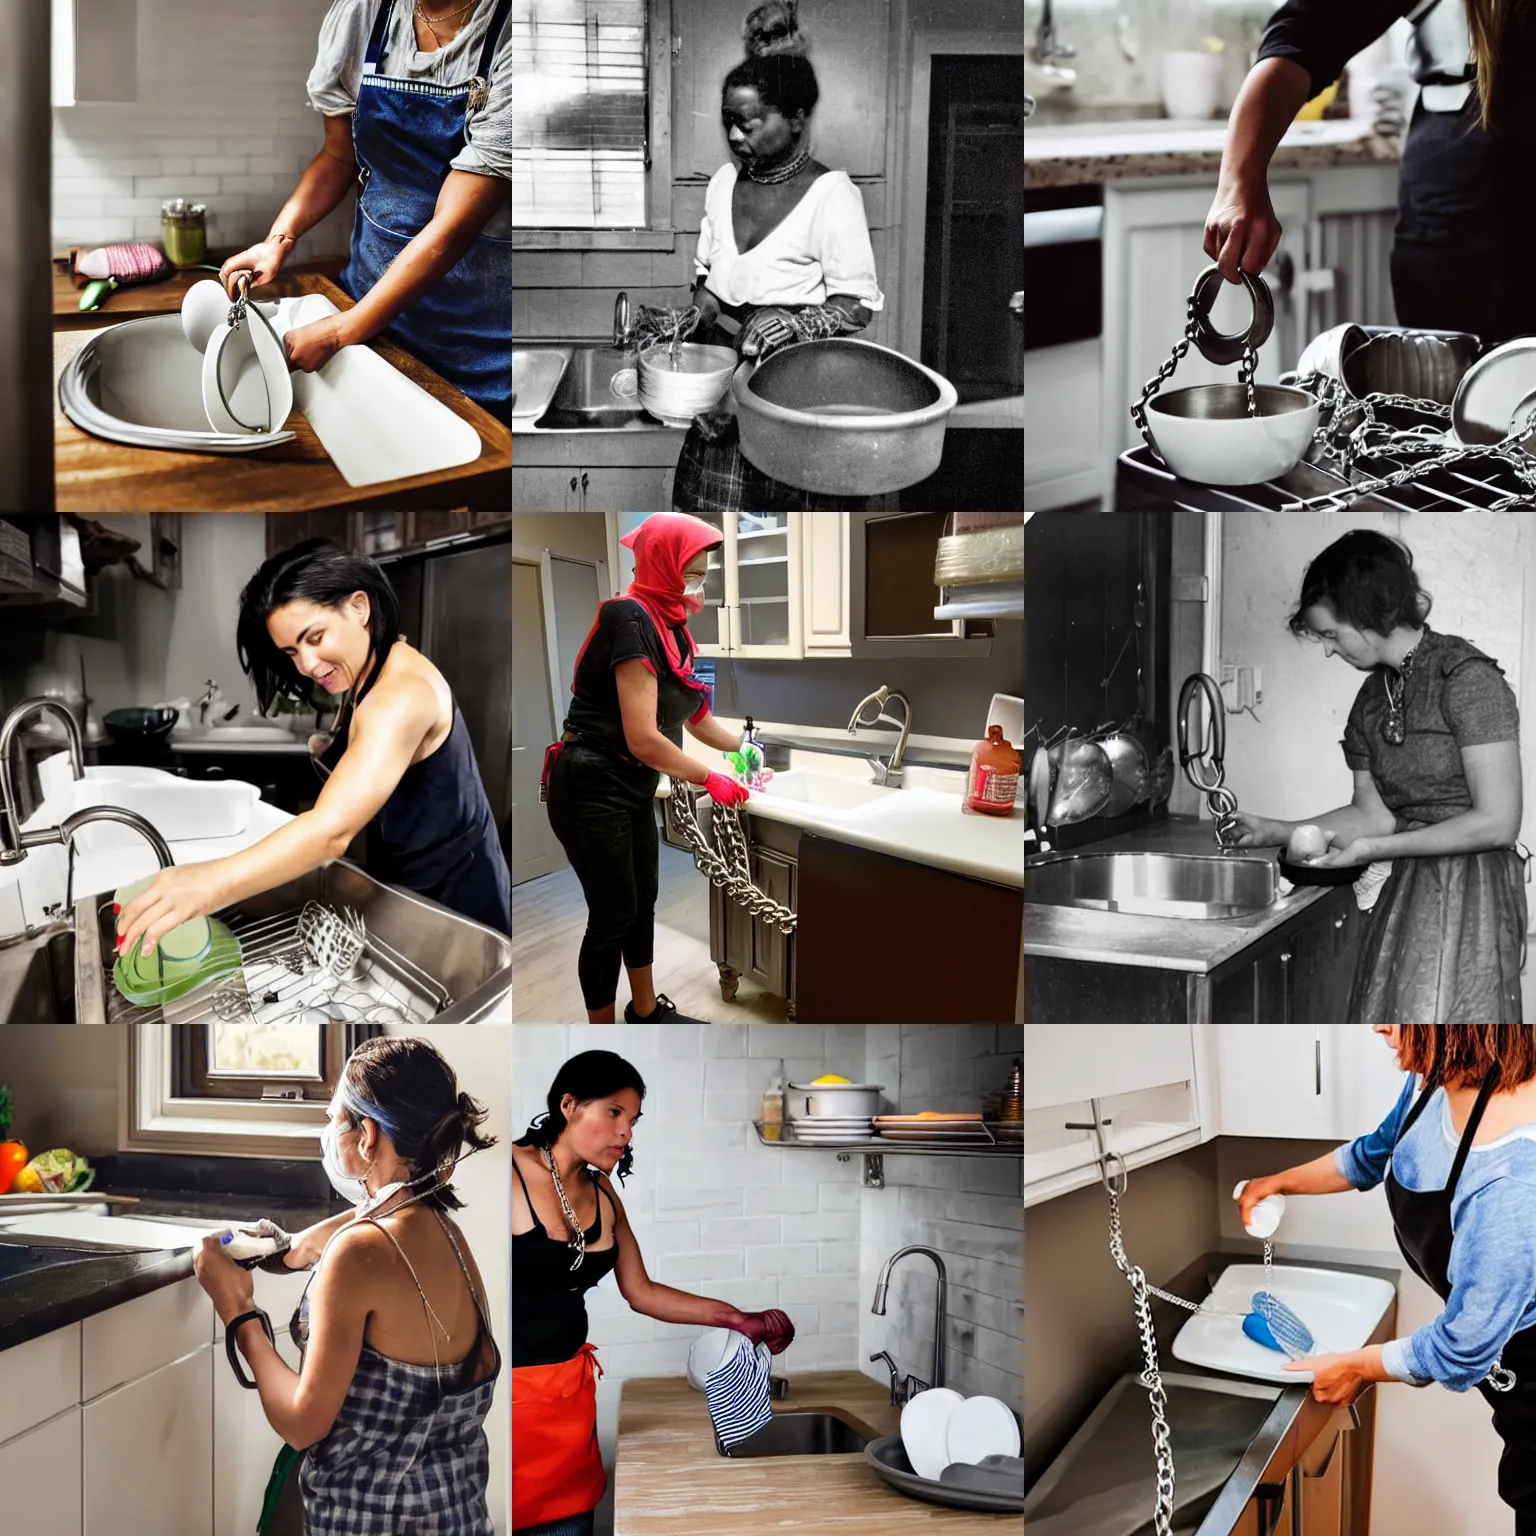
(694,588)
(351,1189)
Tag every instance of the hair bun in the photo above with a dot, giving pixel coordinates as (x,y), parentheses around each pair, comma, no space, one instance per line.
(774,27)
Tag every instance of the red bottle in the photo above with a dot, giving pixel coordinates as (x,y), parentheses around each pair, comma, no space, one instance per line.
(993,779)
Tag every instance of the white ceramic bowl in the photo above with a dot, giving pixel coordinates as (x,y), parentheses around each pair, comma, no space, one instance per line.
(1205,434)
(980,1427)
(712,1349)
(677,391)
(925,1430)
(836,1100)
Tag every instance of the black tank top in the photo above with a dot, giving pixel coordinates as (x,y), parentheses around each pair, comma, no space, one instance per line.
(549,1316)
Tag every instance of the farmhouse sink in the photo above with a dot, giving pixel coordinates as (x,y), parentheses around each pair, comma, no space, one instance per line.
(1209,887)
(598,392)
(827,792)
(800,1434)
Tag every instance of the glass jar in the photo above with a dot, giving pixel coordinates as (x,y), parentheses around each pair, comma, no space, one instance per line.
(184,228)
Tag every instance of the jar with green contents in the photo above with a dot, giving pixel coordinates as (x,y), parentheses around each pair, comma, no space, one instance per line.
(185,230)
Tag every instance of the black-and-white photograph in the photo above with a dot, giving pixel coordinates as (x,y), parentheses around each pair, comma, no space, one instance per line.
(767,256)
(1275,768)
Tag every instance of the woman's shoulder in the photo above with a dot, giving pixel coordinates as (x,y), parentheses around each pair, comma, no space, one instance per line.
(406,672)
(1451,652)
(721,183)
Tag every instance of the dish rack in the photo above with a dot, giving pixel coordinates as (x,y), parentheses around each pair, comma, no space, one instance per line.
(314,964)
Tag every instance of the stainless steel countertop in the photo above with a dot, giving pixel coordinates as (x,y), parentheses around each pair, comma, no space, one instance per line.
(1163,943)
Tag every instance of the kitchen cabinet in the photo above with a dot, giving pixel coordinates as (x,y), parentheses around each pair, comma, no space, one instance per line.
(244,1444)
(38,1379)
(892,593)
(743,944)
(95,51)
(1065,1063)
(40,1473)
(826,581)
(592,488)
(378,533)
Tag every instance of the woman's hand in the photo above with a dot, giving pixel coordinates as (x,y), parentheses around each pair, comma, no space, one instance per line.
(708,306)
(1254,1191)
(312,346)
(772,1328)
(264,261)
(1337,1378)
(229,1287)
(725,791)
(767,331)
(1252,831)
(1361,851)
(1241,230)
(175,896)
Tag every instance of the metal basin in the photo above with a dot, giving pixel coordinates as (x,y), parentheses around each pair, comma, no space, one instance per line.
(1207,886)
(536,373)
(598,392)
(801,1434)
(37,980)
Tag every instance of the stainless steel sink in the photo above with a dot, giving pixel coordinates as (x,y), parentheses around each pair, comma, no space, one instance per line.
(586,399)
(37,983)
(801,1434)
(1189,885)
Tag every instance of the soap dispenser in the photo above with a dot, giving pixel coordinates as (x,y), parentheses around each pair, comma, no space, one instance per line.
(773,1107)
(992,783)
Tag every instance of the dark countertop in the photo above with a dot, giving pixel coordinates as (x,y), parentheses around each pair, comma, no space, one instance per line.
(59,1295)
(1163,943)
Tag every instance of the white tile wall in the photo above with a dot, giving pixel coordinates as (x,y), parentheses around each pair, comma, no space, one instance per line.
(717,1213)
(221,117)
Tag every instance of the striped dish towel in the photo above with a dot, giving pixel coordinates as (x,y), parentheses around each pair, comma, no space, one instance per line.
(737,1393)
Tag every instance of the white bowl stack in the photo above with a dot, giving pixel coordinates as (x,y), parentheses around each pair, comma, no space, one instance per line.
(676,390)
(835,1112)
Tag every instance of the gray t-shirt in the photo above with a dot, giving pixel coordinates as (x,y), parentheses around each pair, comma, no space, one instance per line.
(333,82)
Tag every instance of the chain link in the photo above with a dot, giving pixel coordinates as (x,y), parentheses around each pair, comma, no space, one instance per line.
(1163,374)
(732,873)
(1245,372)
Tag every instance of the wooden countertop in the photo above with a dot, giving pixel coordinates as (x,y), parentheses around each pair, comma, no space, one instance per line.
(93,475)
(670,1480)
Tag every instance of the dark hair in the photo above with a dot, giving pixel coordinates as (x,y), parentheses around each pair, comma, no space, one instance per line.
(416,1092)
(774,27)
(315,571)
(590,1075)
(1368,580)
(782,80)
(1457,1054)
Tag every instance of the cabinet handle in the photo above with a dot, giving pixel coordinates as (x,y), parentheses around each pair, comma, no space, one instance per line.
(573,482)
(1338,922)
(585,481)
(1317,1066)
(1285,957)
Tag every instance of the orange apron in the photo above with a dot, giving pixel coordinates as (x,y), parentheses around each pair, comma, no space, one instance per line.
(557,1470)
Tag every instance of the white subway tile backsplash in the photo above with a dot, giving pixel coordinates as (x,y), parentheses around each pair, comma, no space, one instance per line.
(785,1199)
(698,1200)
(784,1259)
(815,1290)
(838,1258)
(675,1268)
(746,1232)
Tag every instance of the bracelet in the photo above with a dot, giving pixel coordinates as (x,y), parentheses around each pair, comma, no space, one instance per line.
(232,1328)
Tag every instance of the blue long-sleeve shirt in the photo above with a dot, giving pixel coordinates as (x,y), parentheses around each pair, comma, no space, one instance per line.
(1493,1250)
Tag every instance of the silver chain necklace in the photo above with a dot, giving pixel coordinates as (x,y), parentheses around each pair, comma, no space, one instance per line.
(1394,727)
(579,1241)
(784,173)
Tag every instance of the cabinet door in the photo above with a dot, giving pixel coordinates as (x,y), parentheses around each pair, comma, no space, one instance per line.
(825,579)
(762,552)
(1271,1080)
(1066,1063)
(148,1453)
(40,1473)
(1326,947)
(38,1379)
(775,877)
(542,488)
(244,1447)
(639,487)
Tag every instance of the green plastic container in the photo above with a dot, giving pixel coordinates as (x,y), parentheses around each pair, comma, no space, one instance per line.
(150,980)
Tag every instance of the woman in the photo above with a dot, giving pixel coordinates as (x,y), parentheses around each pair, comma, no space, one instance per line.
(568,1232)
(1433,741)
(399,763)
(783,256)
(398,1365)
(1462,243)
(631,695)
(1459,1161)
(417,100)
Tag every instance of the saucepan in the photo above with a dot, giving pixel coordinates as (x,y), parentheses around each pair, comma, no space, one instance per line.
(1083,781)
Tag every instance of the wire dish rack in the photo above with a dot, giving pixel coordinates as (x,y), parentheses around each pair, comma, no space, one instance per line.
(311,965)
(1473,485)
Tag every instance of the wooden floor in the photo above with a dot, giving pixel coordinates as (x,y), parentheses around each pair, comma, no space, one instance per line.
(549,916)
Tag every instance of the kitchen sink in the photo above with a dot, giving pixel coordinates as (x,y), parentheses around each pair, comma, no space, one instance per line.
(598,392)
(278,734)
(37,979)
(1187,885)
(826,791)
(801,1434)
(536,372)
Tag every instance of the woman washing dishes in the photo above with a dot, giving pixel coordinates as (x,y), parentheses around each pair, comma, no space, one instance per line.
(398,1364)
(1433,741)
(417,101)
(1461,247)
(783,254)
(569,1231)
(1459,1163)
(399,762)
(632,693)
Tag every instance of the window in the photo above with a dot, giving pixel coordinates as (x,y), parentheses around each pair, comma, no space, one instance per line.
(581,114)
(297,1063)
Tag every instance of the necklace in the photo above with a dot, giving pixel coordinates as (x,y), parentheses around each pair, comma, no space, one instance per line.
(445,16)
(1394,728)
(784,172)
(579,1241)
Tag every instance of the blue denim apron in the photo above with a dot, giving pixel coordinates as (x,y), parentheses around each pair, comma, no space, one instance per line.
(406,134)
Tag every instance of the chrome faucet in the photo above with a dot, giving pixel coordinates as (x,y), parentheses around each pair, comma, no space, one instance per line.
(888,772)
(941,1318)
(623,336)
(1041,66)
(1048,47)
(903,1389)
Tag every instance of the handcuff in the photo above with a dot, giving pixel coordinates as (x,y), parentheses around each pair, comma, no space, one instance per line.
(231,1329)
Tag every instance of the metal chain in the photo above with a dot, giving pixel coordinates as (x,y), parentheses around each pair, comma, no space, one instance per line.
(1245,372)
(579,1241)
(1163,374)
(733,872)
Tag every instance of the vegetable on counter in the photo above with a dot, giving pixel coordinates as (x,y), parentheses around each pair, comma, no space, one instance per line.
(59,1172)
(13,1158)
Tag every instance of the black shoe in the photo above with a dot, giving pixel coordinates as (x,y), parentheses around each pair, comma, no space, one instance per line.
(666,1013)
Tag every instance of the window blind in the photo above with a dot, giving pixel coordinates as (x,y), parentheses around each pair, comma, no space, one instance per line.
(579,150)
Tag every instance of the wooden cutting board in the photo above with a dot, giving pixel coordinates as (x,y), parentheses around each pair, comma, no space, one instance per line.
(93,475)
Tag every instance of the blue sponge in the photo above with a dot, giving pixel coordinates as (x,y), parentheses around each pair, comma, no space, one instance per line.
(1258,1330)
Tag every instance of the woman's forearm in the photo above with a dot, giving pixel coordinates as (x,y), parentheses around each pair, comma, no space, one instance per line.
(1472,831)
(320,190)
(1347,823)
(307,1246)
(302,845)
(1271,96)
(657,752)
(667,1305)
(1319,1177)
(710,731)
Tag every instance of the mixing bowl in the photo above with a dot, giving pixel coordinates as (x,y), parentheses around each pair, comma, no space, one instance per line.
(676,389)
(1205,433)
(842,417)
(132,725)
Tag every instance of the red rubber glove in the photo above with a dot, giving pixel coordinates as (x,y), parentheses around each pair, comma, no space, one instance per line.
(772,1328)
(725,791)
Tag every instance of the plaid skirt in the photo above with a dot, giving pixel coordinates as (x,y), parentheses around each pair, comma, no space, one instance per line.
(713,475)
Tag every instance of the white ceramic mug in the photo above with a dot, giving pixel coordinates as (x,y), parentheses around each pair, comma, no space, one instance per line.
(1191,84)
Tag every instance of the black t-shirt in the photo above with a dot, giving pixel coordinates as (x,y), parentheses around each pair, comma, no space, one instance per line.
(625,633)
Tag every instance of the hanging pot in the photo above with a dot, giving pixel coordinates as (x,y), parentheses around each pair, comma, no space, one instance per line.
(1084,781)
(1129,765)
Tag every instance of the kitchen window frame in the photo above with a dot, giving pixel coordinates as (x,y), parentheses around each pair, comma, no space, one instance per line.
(658,233)
(192,1077)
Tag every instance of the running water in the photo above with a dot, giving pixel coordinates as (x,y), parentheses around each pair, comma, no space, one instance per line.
(1269,1266)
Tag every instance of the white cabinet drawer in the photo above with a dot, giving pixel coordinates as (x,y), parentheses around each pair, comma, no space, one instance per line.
(141,1335)
(37,1380)
(244,1445)
(40,1475)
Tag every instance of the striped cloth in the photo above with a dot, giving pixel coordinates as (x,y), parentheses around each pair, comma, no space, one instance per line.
(737,1393)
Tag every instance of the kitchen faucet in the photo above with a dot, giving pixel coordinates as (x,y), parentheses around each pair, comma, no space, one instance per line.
(1048,47)
(623,336)
(888,773)
(913,1385)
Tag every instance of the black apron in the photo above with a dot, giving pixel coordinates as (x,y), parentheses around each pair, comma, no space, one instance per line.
(1421,1220)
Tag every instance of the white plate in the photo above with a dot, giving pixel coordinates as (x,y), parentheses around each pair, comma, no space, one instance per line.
(925,1427)
(981,1426)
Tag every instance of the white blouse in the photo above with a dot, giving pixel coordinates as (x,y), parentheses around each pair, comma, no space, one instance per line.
(821,248)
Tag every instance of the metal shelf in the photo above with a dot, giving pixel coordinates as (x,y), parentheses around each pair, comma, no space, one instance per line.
(874,1150)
